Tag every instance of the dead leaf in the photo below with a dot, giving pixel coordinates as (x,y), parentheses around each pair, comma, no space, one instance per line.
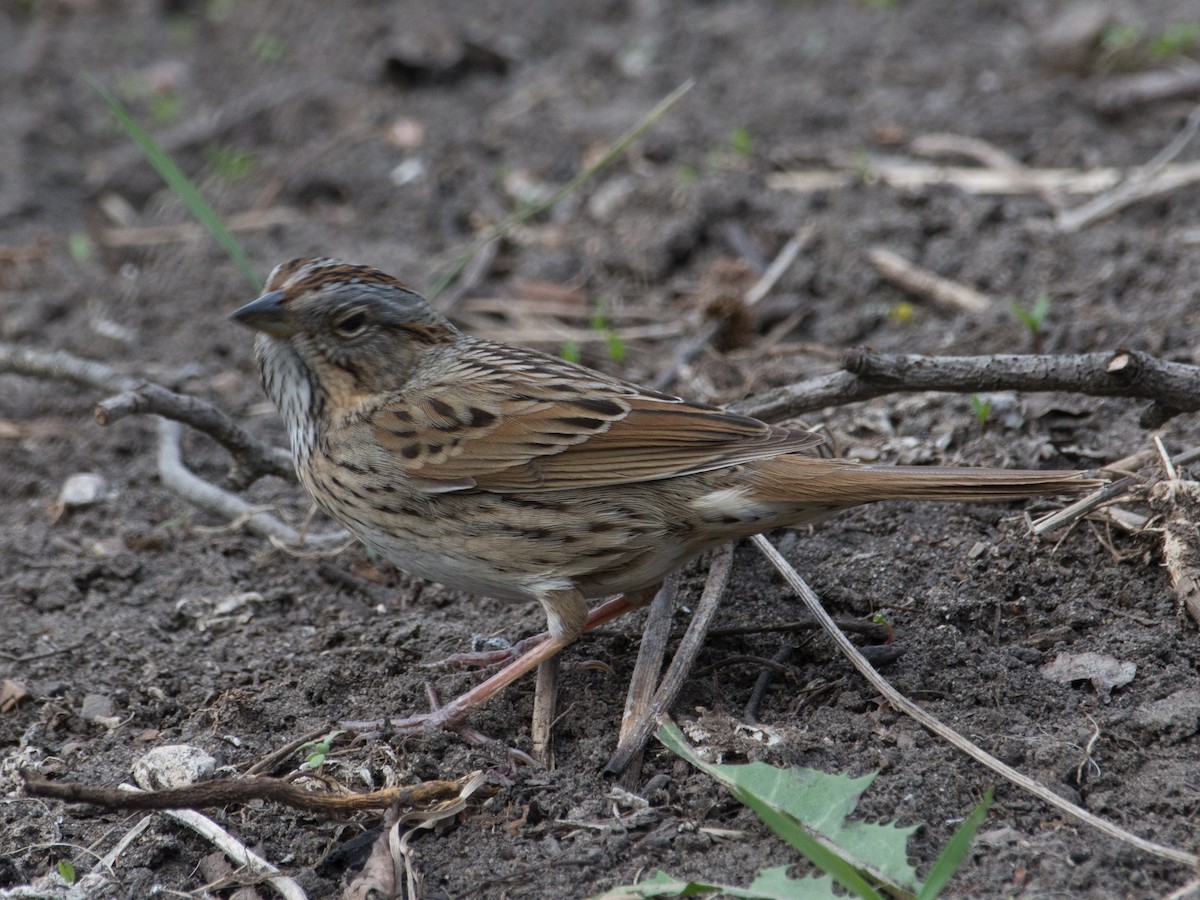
(12,695)
(1103,671)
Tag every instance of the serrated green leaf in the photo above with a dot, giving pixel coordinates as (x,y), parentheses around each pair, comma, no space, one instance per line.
(763,788)
(828,859)
(769,884)
(775,884)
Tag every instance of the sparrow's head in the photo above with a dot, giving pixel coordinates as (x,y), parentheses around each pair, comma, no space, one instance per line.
(350,329)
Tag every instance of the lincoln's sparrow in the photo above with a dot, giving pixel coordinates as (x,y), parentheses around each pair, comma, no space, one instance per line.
(503,471)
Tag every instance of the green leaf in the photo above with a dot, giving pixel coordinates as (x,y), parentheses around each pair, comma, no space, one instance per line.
(1035,317)
(178,182)
(317,751)
(66,869)
(769,884)
(808,809)
(267,47)
(982,408)
(615,345)
(79,245)
(1182,37)
(740,141)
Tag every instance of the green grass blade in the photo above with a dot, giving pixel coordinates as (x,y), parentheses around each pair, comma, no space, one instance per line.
(178,182)
(950,859)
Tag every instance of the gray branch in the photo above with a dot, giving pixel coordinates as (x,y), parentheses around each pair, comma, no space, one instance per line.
(1173,388)
(252,458)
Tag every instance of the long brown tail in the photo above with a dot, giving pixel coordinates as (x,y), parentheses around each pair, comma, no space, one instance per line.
(837,483)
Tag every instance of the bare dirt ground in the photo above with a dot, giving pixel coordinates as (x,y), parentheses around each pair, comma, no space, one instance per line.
(391,134)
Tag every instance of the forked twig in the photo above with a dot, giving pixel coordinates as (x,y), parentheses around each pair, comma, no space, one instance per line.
(252,458)
(652,649)
(187,484)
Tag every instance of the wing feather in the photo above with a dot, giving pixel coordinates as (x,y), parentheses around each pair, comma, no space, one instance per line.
(529,422)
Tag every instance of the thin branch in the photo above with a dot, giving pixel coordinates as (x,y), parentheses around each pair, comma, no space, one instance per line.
(1144,182)
(222,792)
(908,175)
(252,458)
(986,154)
(899,701)
(1128,91)
(652,649)
(63,366)
(1174,387)
(714,588)
(181,480)
(949,295)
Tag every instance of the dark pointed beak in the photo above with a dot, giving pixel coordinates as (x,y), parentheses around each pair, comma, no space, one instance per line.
(268,315)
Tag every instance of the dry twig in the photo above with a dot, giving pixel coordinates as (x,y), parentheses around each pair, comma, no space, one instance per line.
(178,478)
(1174,387)
(1147,181)
(153,235)
(1178,502)
(943,292)
(1132,91)
(211,794)
(636,735)
(652,649)
(252,458)
(899,701)
(909,175)
(986,154)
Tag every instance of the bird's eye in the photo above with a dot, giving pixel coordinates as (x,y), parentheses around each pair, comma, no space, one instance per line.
(351,324)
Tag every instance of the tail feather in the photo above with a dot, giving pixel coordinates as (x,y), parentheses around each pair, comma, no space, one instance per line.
(838,483)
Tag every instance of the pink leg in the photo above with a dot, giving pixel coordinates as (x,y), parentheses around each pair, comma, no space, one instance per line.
(453,714)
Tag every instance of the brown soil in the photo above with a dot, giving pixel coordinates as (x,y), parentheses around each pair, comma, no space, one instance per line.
(109,609)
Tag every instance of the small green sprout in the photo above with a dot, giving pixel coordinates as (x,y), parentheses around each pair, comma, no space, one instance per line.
(66,870)
(616,346)
(982,409)
(880,619)
(1176,40)
(570,351)
(612,340)
(229,163)
(861,164)
(902,313)
(740,141)
(1035,317)
(318,750)
(687,174)
(79,245)
(267,47)
(165,108)
(1119,37)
